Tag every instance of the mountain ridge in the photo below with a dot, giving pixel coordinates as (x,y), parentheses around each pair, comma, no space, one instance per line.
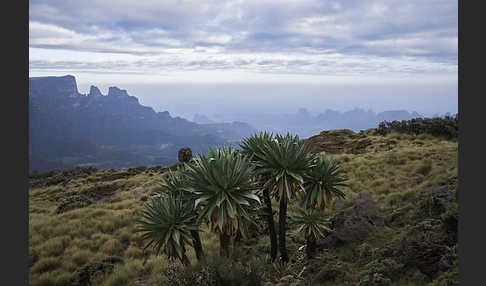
(61,117)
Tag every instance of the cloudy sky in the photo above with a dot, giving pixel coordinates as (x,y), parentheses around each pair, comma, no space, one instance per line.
(251,41)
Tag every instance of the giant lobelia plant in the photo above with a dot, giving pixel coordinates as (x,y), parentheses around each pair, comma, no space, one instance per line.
(253,147)
(313,224)
(286,159)
(224,190)
(322,182)
(176,183)
(167,222)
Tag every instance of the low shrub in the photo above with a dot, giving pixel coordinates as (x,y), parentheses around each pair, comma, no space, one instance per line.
(73,202)
(85,274)
(450,219)
(437,126)
(379,272)
(218,271)
(45,265)
(329,273)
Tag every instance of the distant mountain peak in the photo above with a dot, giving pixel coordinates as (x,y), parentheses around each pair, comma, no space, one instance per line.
(106,131)
(65,77)
(115,91)
(57,86)
(202,119)
(94,91)
(415,114)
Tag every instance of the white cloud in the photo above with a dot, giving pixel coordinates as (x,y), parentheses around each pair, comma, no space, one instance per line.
(309,38)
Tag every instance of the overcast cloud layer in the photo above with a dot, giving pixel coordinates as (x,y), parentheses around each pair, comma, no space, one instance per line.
(252,41)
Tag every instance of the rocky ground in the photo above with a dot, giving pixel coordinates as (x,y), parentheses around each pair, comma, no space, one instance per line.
(397,225)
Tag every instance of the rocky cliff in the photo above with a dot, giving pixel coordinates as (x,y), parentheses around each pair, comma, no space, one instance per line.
(63,122)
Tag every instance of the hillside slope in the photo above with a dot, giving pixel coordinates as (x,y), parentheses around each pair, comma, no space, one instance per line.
(397,225)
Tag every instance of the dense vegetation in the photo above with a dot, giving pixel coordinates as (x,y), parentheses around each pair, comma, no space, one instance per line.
(437,126)
(393,220)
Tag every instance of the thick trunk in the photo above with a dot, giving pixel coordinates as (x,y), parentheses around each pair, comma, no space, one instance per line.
(237,239)
(311,246)
(196,240)
(281,221)
(185,260)
(271,224)
(224,241)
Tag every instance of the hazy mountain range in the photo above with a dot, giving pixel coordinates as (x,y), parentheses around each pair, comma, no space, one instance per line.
(306,124)
(67,128)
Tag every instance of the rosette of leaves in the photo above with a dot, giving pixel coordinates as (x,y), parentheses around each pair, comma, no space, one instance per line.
(167,222)
(222,183)
(322,182)
(313,224)
(176,184)
(286,158)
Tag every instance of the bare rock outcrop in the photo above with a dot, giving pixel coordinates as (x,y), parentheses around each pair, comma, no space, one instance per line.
(354,223)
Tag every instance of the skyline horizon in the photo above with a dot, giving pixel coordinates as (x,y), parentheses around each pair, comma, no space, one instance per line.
(185,56)
(178,95)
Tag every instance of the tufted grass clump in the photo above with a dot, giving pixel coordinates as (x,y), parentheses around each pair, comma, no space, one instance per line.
(73,202)
(45,265)
(424,168)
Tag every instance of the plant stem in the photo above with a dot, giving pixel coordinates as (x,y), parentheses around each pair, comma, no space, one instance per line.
(185,261)
(282,230)
(271,225)
(224,241)
(197,244)
(237,239)
(311,246)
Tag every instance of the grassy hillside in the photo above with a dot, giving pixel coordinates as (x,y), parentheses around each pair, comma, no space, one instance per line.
(397,225)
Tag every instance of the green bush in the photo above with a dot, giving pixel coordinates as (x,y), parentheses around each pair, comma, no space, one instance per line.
(447,127)
(85,274)
(450,218)
(379,272)
(217,271)
(329,272)
(73,202)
